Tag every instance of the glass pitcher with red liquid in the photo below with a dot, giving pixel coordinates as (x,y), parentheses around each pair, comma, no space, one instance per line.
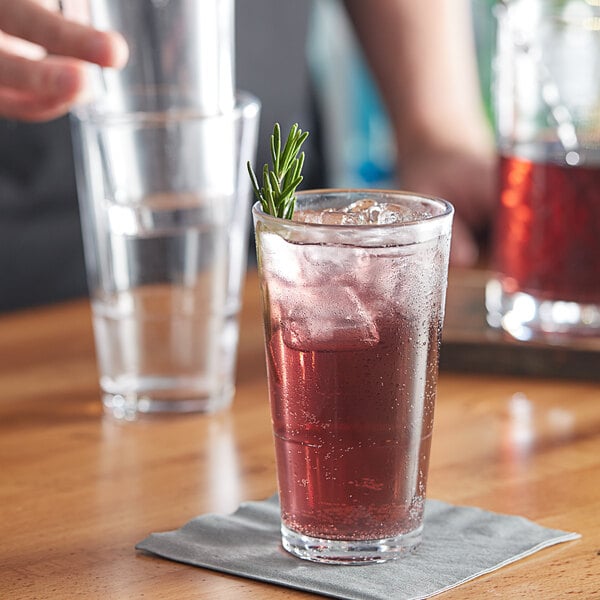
(546,249)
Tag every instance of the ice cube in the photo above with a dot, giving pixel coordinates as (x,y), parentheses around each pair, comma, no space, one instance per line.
(284,259)
(327,319)
(394,213)
(309,216)
(304,216)
(364,212)
(341,265)
(383,213)
(328,216)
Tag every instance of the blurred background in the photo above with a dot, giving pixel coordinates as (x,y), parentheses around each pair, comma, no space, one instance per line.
(308,69)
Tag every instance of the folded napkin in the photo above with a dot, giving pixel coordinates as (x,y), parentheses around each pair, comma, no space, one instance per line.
(459,544)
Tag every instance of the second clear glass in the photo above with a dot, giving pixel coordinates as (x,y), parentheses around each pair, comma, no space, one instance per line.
(164,200)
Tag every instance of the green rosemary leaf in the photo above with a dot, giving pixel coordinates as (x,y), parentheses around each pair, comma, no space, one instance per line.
(254,183)
(291,186)
(279,184)
(300,161)
(267,192)
(276,146)
(275,184)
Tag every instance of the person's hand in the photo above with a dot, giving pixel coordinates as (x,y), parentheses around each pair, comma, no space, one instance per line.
(42,58)
(466,178)
(432,94)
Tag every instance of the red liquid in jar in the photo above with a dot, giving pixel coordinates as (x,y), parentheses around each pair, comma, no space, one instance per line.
(548,230)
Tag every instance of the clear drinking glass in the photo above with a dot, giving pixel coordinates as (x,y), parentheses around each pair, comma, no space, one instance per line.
(182,50)
(353,315)
(164,200)
(546,251)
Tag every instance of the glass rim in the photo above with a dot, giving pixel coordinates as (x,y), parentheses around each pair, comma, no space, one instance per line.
(246,106)
(448,211)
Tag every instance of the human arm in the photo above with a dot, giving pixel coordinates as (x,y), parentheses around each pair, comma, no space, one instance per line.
(42,56)
(422,57)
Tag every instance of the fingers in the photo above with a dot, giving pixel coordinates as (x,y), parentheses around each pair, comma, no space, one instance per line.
(52,77)
(27,20)
(22,107)
(38,90)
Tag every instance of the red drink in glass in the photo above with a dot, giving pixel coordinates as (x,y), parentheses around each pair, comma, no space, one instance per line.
(352,430)
(546,254)
(548,230)
(353,312)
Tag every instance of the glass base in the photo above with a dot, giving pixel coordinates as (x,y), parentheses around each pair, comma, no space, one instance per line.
(527,318)
(349,552)
(131,406)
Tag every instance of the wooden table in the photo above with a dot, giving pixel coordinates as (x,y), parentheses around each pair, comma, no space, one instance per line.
(78,490)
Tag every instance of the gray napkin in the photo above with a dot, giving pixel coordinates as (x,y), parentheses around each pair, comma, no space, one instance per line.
(459,544)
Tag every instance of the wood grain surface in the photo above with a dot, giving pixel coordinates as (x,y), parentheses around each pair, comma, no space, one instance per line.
(78,489)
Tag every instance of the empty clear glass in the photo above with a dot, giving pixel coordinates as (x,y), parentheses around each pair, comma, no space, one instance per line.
(181,54)
(164,200)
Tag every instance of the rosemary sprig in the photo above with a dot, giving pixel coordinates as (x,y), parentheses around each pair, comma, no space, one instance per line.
(278,192)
